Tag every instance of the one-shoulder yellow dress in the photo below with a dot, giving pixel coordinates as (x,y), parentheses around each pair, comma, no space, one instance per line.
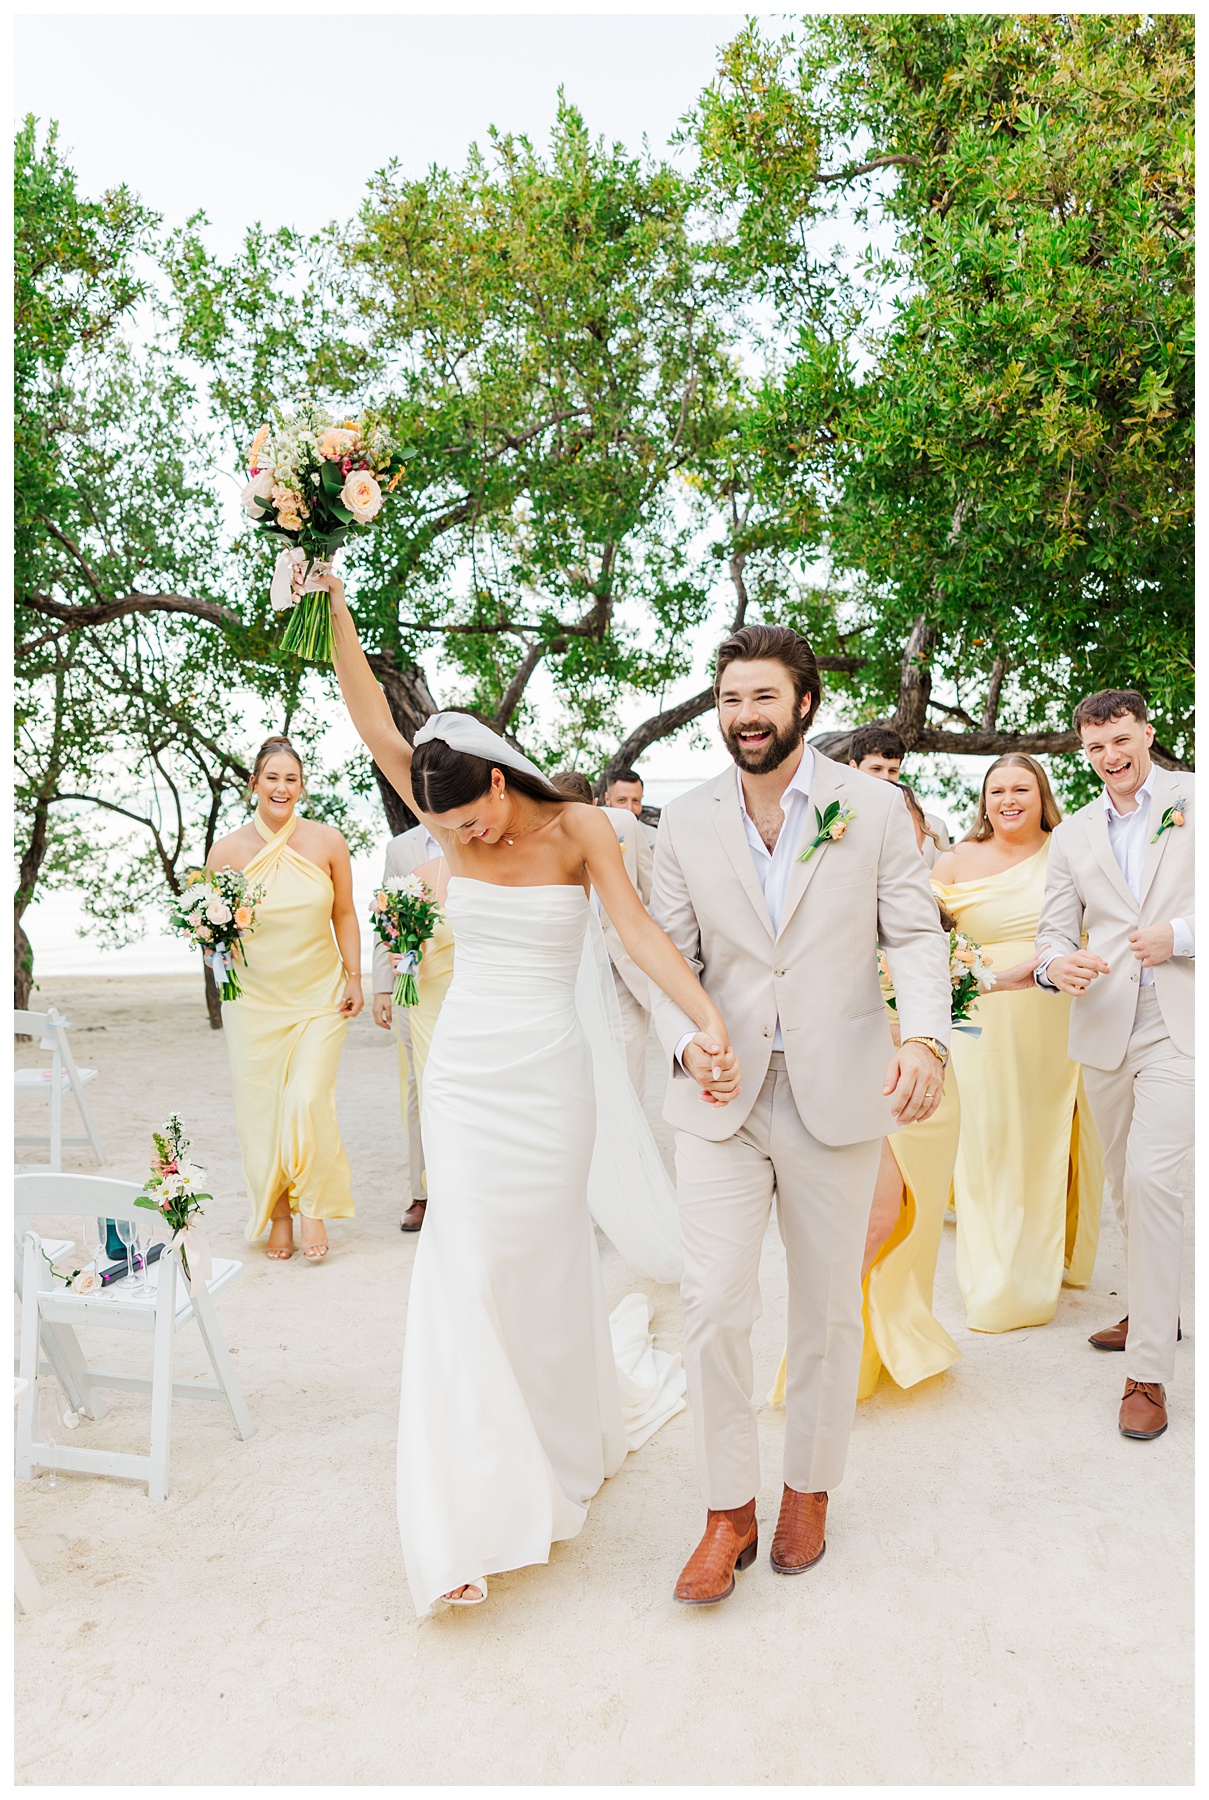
(284,1038)
(1029,1174)
(902,1334)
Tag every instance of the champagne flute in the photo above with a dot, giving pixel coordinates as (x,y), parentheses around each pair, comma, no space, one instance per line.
(125,1231)
(93,1233)
(145,1236)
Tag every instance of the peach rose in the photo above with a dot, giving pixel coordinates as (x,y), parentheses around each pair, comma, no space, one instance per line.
(1177,818)
(838,829)
(964,956)
(218,912)
(86,1282)
(335,443)
(380,902)
(243,917)
(255,447)
(362,495)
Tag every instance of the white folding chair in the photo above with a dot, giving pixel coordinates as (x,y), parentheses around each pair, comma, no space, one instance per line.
(62,1077)
(56,1316)
(29,1594)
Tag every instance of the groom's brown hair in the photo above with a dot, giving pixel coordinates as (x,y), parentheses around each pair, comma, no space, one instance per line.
(774,643)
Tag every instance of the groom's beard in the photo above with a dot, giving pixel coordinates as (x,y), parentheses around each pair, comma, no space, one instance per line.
(770,755)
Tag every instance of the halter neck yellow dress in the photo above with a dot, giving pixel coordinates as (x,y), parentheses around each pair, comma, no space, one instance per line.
(1029,1174)
(284,1038)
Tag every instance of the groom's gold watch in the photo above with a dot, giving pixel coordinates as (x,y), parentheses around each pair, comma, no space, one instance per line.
(937,1049)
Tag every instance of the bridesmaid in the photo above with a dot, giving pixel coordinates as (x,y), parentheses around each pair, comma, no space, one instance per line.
(1029,1174)
(301,986)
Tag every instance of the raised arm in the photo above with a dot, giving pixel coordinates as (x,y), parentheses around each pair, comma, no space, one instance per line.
(365,700)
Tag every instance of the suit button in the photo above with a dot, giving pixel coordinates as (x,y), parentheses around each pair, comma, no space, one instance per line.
(778,971)
(767,1032)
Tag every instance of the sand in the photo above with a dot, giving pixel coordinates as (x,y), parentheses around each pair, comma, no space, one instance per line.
(1006,1595)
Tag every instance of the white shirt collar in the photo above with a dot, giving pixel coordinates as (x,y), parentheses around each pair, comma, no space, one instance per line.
(1145,792)
(802,777)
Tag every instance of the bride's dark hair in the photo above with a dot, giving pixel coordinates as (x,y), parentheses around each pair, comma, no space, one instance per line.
(443,778)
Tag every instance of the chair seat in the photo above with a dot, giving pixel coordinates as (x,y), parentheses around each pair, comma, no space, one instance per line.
(119,1293)
(57,1247)
(35,1081)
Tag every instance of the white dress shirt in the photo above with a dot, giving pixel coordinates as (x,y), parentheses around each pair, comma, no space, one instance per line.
(773,866)
(1129,834)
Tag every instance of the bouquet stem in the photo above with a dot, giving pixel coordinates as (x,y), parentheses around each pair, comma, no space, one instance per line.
(406,992)
(309,632)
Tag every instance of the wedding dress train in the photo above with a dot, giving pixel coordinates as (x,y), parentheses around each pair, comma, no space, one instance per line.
(520,1395)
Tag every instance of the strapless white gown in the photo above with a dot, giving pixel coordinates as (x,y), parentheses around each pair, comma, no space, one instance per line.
(520,1395)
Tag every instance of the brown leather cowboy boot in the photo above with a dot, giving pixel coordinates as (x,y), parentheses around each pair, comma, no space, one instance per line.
(1143,1410)
(798,1542)
(413,1218)
(729,1543)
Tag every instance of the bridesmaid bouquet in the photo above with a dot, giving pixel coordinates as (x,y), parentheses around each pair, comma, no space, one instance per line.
(970,974)
(171,1189)
(404,915)
(215,911)
(313,482)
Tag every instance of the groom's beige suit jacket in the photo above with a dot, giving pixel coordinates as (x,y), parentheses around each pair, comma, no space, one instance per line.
(1085,892)
(818,975)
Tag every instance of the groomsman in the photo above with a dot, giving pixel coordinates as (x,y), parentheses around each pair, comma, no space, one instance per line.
(403,854)
(623,791)
(631,985)
(878,750)
(776,881)
(1121,872)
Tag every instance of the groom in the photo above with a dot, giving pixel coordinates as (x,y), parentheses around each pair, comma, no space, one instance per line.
(777,881)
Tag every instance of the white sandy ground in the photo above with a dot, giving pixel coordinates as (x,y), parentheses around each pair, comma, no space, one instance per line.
(1006,1595)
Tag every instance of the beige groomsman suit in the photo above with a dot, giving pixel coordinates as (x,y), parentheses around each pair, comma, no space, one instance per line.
(633,988)
(1133,1031)
(788,951)
(403,854)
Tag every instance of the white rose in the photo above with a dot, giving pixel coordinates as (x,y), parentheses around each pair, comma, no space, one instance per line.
(86,1282)
(218,912)
(257,492)
(362,495)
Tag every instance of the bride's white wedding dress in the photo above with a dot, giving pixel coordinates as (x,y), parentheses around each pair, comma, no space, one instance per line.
(520,1395)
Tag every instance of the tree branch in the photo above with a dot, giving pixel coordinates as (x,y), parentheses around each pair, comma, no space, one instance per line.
(76,618)
(879,162)
(990,712)
(516,687)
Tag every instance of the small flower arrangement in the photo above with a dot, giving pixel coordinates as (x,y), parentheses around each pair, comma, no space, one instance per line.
(171,1188)
(404,916)
(830,825)
(313,481)
(215,910)
(970,974)
(1174,816)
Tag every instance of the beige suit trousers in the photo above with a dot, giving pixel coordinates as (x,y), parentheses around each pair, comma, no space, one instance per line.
(823,1195)
(409,1102)
(1144,1113)
(635,1024)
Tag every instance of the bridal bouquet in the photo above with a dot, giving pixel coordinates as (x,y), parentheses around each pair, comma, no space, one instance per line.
(404,915)
(970,974)
(215,911)
(171,1190)
(313,481)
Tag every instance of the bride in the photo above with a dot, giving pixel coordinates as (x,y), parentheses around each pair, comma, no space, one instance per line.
(517,1402)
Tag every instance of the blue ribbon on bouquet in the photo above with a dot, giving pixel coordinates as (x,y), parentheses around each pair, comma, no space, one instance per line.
(221,961)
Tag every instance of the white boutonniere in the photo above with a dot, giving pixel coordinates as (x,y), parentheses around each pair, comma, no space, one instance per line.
(832,824)
(1174,816)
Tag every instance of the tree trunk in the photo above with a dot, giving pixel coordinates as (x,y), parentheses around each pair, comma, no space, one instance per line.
(23,967)
(213,1002)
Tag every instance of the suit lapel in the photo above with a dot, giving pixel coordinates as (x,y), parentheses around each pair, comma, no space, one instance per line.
(827,785)
(1165,794)
(728,822)
(1097,827)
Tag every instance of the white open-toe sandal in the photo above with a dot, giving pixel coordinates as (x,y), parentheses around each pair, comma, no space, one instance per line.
(480,1581)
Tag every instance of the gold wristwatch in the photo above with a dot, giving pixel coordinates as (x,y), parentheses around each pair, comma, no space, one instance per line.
(931,1043)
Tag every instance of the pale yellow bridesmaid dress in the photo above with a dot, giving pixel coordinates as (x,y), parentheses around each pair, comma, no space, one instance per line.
(1029,1174)
(284,1037)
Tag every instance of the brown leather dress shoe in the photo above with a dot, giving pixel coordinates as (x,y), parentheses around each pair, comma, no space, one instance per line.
(729,1543)
(413,1218)
(1113,1336)
(798,1542)
(1143,1410)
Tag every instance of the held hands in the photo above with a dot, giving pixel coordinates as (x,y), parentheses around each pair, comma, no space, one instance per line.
(383,1010)
(914,1081)
(714,1068)
(1075,973)
(351,1000)
(1018,977)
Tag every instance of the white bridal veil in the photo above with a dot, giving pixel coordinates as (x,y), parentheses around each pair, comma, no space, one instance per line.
(630,1195)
